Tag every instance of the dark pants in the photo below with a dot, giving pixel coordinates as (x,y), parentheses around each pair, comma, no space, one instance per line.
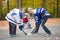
(42,22)
(12,28)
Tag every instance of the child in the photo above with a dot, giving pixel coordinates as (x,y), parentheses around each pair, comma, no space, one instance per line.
(14,17)
(40,16)
(26,17)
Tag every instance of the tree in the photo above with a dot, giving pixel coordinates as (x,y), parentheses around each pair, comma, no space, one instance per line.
(43,3)
(8,5)
(1,8)
(19,4)
(57,9)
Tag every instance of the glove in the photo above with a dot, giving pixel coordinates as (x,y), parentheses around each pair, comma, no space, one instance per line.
(21,27)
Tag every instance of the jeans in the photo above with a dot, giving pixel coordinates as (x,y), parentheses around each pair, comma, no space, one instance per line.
(42,23)
(12,28)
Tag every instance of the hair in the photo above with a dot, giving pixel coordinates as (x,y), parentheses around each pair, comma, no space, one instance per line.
(25,9)
(30,8)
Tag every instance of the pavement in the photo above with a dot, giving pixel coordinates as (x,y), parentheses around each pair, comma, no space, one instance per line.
(52,24)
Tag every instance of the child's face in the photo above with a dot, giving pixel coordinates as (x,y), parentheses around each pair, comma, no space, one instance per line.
(30,11)
(23,11)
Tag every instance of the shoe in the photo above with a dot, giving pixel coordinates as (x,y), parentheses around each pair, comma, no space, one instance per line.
(48,35)
(12,35)
(33,32)
(29,34)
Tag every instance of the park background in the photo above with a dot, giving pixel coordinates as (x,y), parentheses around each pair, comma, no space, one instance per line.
(53,23)
(52,6)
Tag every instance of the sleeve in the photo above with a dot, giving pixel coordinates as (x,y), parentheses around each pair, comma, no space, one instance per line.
(43,11)
(8,18)
(20,15)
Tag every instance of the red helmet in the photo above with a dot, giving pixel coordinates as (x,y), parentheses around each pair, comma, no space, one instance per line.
(25,19)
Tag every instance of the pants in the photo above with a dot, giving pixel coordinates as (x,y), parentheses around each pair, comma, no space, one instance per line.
(28,24)
(42,22)
(12,28)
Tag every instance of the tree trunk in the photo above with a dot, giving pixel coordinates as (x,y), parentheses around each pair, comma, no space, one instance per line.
(17,3)
(20,4)
(43,3)
(1,8)
(8,9)
(57,9)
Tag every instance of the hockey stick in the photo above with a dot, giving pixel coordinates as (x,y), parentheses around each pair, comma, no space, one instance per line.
(21,28)
(24,32)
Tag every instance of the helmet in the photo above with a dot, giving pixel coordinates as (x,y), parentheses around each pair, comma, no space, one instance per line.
(25,19)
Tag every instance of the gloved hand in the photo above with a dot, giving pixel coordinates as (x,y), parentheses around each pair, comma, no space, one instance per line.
(21,27)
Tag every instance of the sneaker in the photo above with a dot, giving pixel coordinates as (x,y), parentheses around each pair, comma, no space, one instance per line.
(29,34)
(12,35)
(32,32)
(48,35)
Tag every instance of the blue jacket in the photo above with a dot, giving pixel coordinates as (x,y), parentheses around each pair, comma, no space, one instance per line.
(39,13)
